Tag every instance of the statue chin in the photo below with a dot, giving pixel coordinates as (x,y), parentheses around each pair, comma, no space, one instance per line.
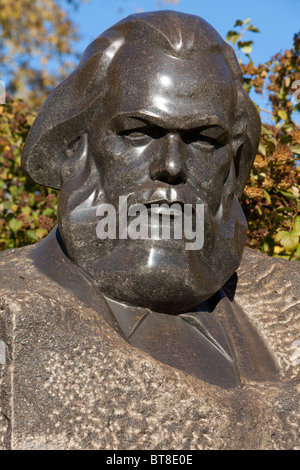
(156,274)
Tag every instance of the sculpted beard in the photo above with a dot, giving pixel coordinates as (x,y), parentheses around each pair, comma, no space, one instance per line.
(175,280)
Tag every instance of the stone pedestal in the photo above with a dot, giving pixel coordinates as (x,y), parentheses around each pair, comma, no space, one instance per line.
(71,381)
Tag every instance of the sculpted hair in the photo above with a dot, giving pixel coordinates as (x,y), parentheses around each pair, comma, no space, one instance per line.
(71,106)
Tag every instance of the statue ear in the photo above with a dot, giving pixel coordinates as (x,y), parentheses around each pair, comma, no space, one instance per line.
(79,176)
(68,111)
(246,137)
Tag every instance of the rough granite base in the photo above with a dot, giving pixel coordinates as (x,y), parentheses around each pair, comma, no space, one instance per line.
(72,382)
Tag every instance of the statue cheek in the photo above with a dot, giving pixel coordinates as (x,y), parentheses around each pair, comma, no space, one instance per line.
(208,171)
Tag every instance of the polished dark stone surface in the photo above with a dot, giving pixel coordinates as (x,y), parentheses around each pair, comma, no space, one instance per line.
(156,111)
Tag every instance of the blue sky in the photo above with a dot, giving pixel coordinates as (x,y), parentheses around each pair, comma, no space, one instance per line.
(277,20)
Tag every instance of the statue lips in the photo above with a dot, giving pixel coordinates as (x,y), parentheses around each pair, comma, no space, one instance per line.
(151,193)
(146,194)
(162,210)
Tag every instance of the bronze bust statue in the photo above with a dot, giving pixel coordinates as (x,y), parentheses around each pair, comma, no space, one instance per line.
(155,114)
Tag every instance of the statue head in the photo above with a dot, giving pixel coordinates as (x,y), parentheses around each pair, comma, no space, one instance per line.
(154,113)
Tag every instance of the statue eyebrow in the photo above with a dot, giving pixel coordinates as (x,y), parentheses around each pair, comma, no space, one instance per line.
(139,119)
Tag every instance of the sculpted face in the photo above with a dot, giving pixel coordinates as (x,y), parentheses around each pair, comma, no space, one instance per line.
(163,135)
(163,126)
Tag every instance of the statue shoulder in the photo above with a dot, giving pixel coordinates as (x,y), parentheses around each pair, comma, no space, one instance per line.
(259,261)
(272,278)
(268,291)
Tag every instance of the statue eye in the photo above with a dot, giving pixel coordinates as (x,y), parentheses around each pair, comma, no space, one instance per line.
(142,134)
(206,138)
(132,134)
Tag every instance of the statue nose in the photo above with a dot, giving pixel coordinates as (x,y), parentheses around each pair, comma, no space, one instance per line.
(169,168)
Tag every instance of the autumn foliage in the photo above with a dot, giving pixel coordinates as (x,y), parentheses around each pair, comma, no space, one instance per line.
(271,199)
(27,211)
(36,38)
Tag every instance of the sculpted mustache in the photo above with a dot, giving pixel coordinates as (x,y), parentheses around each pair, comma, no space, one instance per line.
(157,194)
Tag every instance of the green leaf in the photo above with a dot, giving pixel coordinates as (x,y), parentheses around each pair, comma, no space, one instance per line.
(41,232)
(238,23)
(284,209)
(232,36)
(266,247)
(252,28)
(13,190)
(267,196)
(48,211)
(296,149)
(296,226)
(259,209)
(266,130)
(289,195)
(15,225)
(247,21)
(282,114)
(247,49)
(26,210)
(282,235)
(247,87)
(31,235)
(242,44)
(36,214)
(288,240)
(262,149)
(297,252)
